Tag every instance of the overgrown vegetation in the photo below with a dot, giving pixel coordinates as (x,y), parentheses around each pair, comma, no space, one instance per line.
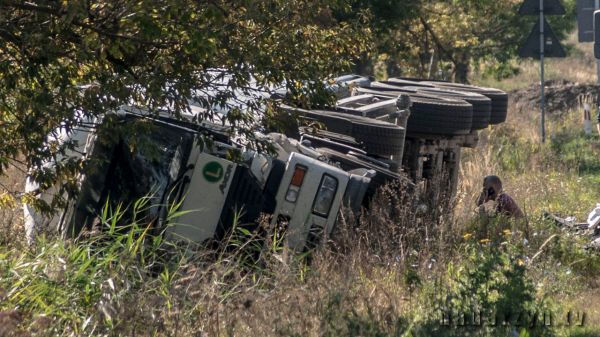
(393,272)
(560,176)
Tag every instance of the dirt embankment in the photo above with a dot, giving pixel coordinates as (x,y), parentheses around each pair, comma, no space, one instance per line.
(561,96)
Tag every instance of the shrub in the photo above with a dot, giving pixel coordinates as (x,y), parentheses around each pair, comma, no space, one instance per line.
(486,293)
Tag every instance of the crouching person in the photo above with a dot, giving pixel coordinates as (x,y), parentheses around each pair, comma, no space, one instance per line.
(504,205)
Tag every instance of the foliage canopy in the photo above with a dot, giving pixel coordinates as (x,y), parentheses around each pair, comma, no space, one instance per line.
(442,39)
(61,59)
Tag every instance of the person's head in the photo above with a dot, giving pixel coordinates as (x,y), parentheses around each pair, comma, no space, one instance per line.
(492,182)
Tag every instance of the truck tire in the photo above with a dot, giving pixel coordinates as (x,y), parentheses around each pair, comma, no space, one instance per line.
(499,98)
(482,105)
(434,115)
(408,82)
(395,86)
(430,114)
(377,137)
(384,139)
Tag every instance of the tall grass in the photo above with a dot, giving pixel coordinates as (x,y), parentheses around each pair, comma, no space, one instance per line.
(374,277)
(87,286)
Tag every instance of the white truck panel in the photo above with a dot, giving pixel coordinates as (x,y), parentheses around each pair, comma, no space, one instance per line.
(300,213)
(34,221)
(204,199)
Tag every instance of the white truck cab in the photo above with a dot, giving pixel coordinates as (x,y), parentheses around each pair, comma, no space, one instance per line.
(308,200)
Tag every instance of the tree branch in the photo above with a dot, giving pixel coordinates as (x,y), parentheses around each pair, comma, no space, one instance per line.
(436,39)
(28,6)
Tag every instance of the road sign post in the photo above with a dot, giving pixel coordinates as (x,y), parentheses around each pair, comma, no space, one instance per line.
(543,98)
(542,43)
(596,26)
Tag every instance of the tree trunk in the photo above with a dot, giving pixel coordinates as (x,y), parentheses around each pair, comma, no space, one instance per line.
(461,68)
(393,70)
(364,65)
(461,72)
(431,69)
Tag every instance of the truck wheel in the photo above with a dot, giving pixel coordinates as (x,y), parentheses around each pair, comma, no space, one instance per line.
(377,137)
(499,98)
(482,105)
(431,114)
(436,115)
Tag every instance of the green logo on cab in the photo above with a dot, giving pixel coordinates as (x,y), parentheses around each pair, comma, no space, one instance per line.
(212,172)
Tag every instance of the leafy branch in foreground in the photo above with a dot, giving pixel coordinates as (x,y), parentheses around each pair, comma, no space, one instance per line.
(61,61)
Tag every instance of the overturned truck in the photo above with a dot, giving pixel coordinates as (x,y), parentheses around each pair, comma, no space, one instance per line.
(378,133)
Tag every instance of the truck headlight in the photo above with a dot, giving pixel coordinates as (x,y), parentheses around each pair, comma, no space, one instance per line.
(291,195)
(325,195)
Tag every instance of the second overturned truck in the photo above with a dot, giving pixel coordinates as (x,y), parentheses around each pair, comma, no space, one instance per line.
(378,133)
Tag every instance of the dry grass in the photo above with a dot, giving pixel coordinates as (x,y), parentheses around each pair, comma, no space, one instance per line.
(366,283)
(357,286)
